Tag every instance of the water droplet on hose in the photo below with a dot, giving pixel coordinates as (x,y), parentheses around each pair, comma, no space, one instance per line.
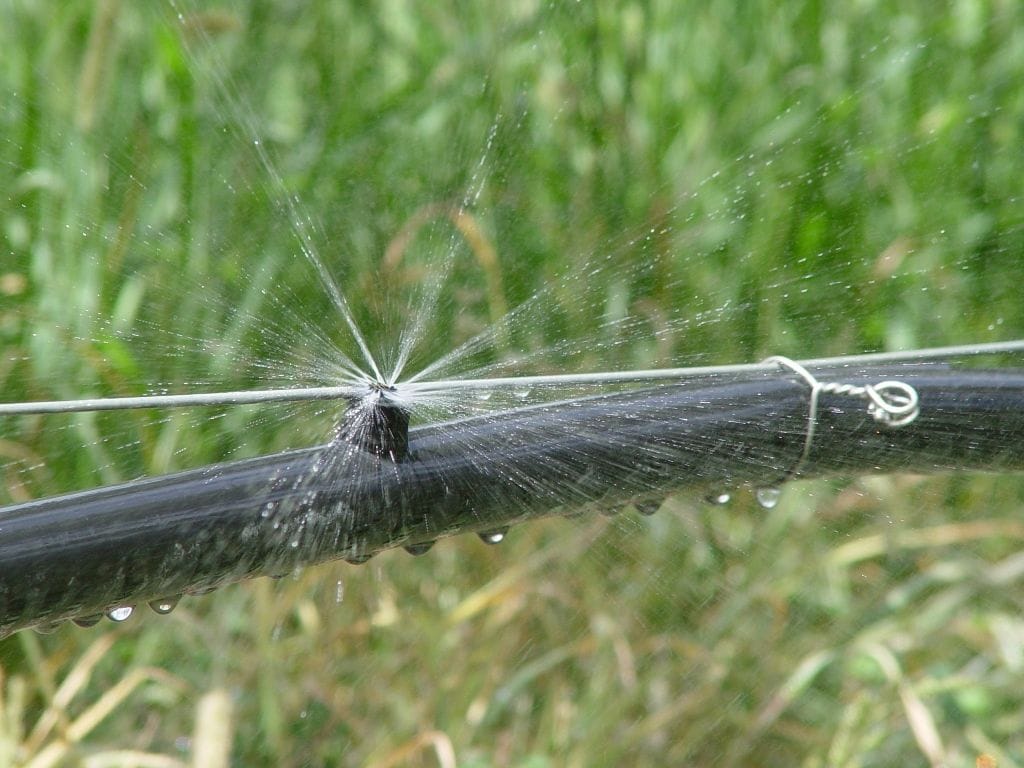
(121,613)
(522,394)
(493,537)
(647,508)
(419,549)
(164,605)
(718,498)
(767,497)
(88,621)
(483,396)
(339,592)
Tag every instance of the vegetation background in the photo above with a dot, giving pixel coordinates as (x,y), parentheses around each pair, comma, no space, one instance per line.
(752,178)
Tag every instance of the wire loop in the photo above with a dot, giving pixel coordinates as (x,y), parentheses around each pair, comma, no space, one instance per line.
(891,403)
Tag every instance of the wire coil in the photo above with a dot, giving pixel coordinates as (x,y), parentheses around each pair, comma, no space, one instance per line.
(891,403)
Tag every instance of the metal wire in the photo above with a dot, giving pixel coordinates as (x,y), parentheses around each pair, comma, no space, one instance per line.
(892,403)
(244,397)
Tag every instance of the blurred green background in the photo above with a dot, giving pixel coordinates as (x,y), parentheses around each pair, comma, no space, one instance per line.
(745,178)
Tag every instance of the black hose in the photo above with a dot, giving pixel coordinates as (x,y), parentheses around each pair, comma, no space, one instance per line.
(79,555)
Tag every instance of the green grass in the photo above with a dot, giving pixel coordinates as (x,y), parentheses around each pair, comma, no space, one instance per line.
(807,179)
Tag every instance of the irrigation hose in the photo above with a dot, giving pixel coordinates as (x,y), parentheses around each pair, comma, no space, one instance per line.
(83,555)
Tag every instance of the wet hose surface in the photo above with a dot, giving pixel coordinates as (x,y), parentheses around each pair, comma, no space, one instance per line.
(79,555)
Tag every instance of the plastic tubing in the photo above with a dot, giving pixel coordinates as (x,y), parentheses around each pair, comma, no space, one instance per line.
(83,554)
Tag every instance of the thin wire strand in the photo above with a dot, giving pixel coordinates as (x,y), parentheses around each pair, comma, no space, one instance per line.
(245,397)
(674,374)
(892,403)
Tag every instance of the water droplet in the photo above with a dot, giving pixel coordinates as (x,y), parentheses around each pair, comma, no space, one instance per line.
(121,613)
(358,559)
(493,537)
(164,605)
(484,396)
(718,498)
(522,394)
(88,621)
(419,549)
(339,591)
(647,508)
(768,497)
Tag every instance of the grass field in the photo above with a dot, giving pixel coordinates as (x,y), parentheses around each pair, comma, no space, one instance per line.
(748,178)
